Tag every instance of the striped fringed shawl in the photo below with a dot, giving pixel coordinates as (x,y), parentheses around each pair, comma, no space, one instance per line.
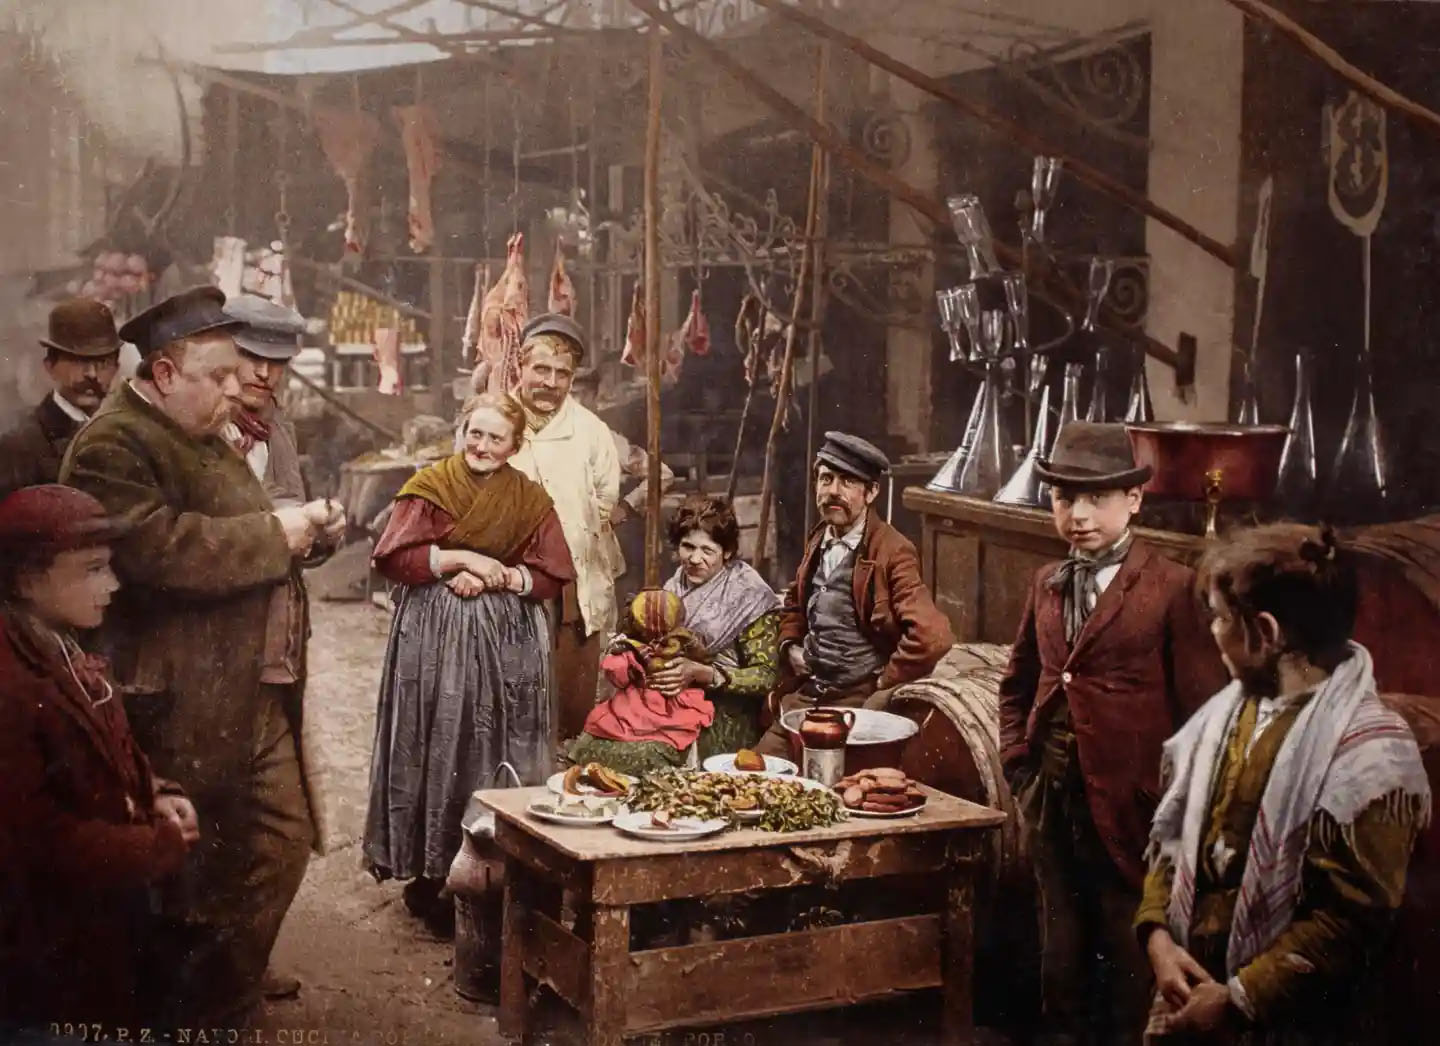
(1345,752)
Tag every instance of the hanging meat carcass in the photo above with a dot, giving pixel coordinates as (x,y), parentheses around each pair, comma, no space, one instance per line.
(503,314)
(634,352)
(692,337)
(562,291)
(420,134)
(348,137)
(470,343)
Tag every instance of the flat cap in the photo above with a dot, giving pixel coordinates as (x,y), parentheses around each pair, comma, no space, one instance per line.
(55,518)
(182,315)
(555,323)
(271,331)
(853,456)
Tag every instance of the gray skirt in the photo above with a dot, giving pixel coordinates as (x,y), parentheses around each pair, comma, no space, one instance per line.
(466,685)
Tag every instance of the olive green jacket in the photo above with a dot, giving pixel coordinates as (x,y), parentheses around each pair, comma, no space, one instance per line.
(186,632)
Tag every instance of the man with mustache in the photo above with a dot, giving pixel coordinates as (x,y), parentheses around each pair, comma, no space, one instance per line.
(201,561)
(858,620)
(571,453)
(82,355)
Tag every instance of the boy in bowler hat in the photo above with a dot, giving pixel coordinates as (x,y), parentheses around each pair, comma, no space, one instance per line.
(1110,659)
(858,619)
(82,355)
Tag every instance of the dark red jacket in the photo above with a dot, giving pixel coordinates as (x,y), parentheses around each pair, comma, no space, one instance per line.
(1143,663)
(78,843)
(895,609)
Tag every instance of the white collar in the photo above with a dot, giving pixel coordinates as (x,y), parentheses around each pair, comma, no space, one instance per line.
(851,538)
(135,388)
(69,409)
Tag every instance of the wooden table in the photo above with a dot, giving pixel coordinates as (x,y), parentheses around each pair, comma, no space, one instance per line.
(619,992)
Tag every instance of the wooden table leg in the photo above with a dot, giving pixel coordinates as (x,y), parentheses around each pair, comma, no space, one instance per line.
(958,950)
(514,999)
(609,956)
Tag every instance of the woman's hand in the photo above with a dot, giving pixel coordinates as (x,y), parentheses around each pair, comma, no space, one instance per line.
(682,674)
(491,572)
(180,812)
(466,585)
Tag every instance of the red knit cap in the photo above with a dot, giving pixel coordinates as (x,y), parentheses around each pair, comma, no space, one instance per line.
(56,518)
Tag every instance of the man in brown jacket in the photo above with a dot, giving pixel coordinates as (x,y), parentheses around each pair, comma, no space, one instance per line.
(199,567)
(1110,659)
(82,355)
(858,620)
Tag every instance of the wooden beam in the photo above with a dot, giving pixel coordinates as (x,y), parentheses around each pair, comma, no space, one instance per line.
(809,258)
(1363,82)
(1008,129)
(882,176)
(652,305)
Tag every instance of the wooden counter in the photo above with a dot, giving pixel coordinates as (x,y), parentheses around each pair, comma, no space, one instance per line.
(979,556)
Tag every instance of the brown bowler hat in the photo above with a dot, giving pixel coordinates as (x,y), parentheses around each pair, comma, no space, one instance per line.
(1092,456)
(82,327)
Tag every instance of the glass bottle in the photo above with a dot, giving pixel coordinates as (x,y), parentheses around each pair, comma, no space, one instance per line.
(986,455)
(972,229)
(1069,401)
(1295,479)
(1247,409)
(1358,482)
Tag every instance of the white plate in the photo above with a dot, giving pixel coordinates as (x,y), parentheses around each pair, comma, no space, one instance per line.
(542,810)
(907,812)
(556,784)
(638,824)
(774,766)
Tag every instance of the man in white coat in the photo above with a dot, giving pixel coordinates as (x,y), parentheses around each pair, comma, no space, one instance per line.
(571,452)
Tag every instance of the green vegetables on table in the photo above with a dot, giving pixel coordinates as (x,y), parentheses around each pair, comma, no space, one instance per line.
(784,806)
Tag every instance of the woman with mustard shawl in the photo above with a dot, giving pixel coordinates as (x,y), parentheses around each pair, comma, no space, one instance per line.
(477,549)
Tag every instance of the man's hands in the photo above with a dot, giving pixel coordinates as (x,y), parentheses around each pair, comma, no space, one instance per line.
(180,812)
(620,513)
(795,655)
(682,674)
(303,524)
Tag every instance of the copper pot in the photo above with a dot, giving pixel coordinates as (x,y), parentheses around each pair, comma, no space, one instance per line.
(1185,457)
(826,727)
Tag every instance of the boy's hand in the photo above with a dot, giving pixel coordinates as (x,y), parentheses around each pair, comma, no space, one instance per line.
(1177,973)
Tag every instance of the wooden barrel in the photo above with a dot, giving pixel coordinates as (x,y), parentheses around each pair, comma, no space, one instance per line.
(958,747)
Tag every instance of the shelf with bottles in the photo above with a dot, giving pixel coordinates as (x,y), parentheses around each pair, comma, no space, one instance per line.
(354,319)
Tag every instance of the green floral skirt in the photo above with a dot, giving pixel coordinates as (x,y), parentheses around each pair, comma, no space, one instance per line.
(736,726)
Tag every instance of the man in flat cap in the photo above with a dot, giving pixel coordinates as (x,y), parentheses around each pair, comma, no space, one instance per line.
(204,555)
(858,620)
(571,453)
(82,355)
(261,433)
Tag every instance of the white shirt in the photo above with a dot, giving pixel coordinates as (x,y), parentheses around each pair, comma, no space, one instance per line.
(1104,576)
(71,411)
(836,548)
(258,457)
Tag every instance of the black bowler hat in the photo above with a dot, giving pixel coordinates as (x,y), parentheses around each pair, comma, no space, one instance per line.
(270,331)
(555,323)
(82,327)
(182,315)
(853,456)
(1092,456)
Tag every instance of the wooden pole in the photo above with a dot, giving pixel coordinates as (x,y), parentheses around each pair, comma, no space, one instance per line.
(751,347)
(817,315)
(1363,82)
(1015,133)
(886,179)
(652,306)
(787,365)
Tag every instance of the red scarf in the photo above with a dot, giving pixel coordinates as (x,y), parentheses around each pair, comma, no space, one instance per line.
(253,430)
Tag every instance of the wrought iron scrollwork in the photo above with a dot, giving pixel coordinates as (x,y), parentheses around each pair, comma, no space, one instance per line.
(885,136)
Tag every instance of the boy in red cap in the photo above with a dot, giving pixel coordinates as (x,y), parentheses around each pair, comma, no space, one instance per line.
(85,828)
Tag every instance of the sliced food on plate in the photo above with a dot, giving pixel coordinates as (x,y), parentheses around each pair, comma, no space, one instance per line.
(882,792)
(590,779)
